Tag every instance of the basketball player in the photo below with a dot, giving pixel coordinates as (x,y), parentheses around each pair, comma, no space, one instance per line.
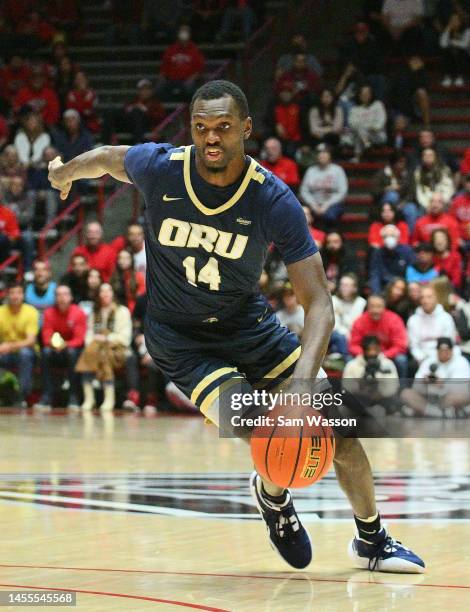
(210,214)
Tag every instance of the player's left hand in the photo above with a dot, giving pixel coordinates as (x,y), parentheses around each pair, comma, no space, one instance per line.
(56,181)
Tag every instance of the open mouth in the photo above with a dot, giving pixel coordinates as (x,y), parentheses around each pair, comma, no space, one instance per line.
(213,154)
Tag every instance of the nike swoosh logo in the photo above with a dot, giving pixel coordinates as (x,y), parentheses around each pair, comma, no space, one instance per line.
(168,199)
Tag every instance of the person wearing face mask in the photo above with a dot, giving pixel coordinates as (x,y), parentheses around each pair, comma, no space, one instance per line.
(181,68)
(389,261)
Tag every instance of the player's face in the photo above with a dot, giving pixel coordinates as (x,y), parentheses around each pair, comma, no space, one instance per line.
(218,132)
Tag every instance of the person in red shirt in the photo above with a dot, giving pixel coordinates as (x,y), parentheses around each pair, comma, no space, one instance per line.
(126,281)
(36,30)
(99,255)
(460,210)
(285,120)
(41,98)
(389,329)
(181,68)
(388,216)
(9,231)
(14,76)
(284,168)
(63,337)
(145,112)
(301,79)
(84,100)
(18,10)
(446,260)
(315,233)
(436,219)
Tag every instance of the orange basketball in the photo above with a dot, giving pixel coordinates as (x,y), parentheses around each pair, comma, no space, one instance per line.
(294,448)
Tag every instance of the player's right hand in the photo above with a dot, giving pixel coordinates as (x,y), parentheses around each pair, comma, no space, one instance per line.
(55,180)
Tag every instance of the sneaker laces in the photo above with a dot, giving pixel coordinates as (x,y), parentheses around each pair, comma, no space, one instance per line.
(287,522)
(387,542)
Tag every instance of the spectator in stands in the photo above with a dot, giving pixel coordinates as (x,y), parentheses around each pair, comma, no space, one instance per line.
(153,377)
(144,113)
(77,278)
(315,233)
(19,201)
(41,292)
(397,300)
(300,79)
(387,327)
(283,118)
(446,260)
(455,44)
(236,14)
(409,91)
(100,256)
(464,166)
(361,60)
(447,370)
(64,15)
(9,231)
(181,68)
(31,140)
(337,259)
(63,336)
(348,306)
(18,332)
(206,18)
(422,270)
(134,242)
(291,313)
(14,76)
(35,31)
(18,10)
(367,121)
(429,177)
(73,139)
(371,376)
(94,282)
(436,218)
(325,187)
(427,140)
(325,120)
(126,282)
(39,97)
(4,131)
(107,347)
(84,100)
(298,45)
(427,324)
(284,168)
(460,210)
(10,165)
(404,21)
(126,18)
(388,215)
(460,312)
(390,260)
(41,188)
(64,78)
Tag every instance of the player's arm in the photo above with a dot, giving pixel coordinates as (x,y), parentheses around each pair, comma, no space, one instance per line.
(89,165)
(310,286)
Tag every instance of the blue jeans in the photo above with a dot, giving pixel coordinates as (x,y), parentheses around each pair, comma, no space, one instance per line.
(338,344)
(401,363)
(23,361)
(66,359)
(333,214)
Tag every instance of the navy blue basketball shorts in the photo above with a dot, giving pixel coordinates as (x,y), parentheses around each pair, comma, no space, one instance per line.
(206,361)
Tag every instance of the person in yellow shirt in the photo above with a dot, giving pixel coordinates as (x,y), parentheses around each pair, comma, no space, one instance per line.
(19,327)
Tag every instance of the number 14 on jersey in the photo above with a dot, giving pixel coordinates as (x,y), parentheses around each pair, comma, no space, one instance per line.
(208,274)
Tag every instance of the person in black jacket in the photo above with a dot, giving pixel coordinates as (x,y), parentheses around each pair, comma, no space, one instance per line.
(337,259)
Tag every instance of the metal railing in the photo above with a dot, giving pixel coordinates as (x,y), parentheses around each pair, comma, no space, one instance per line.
(45,253)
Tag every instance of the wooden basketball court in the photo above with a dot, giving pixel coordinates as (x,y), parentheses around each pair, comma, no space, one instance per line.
(137,514)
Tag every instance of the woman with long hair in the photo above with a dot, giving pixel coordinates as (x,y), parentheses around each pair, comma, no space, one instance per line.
(326,119)
(388,215)
(367,121)
(94,281)
(396,298)
(126,282)
(431,176)
(31,140)
(447,260)
(107,345)
(455,43)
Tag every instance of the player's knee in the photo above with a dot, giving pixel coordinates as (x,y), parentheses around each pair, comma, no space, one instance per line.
(345,449)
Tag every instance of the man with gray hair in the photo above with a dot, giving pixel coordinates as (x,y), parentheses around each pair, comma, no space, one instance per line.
(389,261)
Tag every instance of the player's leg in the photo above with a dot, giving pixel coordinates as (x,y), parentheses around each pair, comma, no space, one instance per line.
(372,548)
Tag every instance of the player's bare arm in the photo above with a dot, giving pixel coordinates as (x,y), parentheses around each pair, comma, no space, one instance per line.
(310,286)
(89,165)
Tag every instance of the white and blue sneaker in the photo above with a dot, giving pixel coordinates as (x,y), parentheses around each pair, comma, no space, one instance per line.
(388,555)
(286,533)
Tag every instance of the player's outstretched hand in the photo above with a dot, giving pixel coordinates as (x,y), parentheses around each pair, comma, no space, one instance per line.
(56,181)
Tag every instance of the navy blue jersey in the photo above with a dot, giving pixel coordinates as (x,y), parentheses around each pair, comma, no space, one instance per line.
(206,245)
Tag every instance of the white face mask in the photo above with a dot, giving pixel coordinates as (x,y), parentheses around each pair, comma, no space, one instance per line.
(183,36)
(390,242)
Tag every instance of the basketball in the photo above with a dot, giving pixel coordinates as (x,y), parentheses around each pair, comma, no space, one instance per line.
(294,448)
